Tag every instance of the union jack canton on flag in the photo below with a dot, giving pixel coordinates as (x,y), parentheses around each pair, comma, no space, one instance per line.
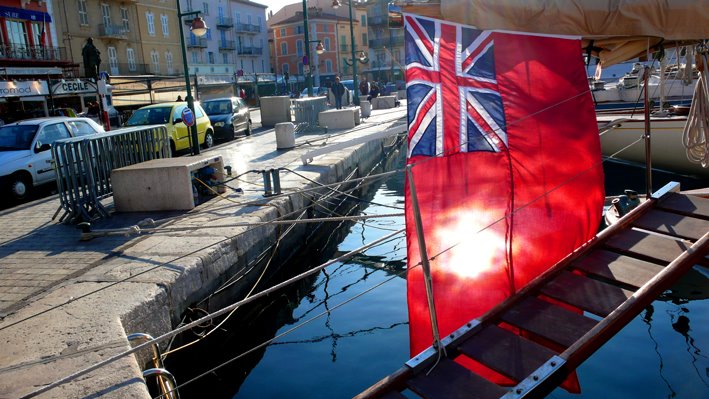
(455,65)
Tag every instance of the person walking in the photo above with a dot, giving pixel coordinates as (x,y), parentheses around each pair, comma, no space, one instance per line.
(338,90)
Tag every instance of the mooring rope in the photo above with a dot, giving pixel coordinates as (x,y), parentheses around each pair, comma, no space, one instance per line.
(694,136)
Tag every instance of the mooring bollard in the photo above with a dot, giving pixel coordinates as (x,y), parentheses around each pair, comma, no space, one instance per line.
(285,135)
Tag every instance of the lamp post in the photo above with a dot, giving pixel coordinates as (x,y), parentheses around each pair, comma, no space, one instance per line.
(308,76)
(362,59)
(199,29)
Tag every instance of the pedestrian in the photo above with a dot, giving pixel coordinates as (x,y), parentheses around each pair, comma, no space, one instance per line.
(179,99)
(373,92)
(364,87)
(338,90)
(242,93)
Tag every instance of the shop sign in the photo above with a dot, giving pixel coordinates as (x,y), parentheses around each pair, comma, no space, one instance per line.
(73,87)
(21,89)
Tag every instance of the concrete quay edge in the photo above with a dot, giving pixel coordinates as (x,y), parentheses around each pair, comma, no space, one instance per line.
(48,344)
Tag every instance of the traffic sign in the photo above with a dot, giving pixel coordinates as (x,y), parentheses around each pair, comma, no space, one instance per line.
(306,68)
(188,117)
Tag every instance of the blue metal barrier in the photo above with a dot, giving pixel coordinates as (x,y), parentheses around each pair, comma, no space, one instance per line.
(84,165)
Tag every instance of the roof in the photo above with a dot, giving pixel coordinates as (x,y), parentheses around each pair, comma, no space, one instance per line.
(251,3)
(47,119)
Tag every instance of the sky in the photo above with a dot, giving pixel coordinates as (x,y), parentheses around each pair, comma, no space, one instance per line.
(275,5)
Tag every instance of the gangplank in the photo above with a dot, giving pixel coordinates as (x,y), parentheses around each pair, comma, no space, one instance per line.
(535,338)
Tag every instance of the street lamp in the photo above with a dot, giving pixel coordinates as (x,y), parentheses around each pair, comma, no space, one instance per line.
(308,76)
(199,29)
(336,4)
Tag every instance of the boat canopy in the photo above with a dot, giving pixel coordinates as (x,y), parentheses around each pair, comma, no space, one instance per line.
(613,30)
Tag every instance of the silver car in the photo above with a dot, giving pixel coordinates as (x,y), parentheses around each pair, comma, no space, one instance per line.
(25,156)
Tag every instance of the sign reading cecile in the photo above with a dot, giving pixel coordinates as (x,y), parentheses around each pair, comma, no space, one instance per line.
(73,87)
(22,89)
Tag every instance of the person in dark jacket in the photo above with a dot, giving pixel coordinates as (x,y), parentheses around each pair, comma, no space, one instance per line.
(338,90)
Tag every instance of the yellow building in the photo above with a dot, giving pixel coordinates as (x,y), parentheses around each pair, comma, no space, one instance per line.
(159,34)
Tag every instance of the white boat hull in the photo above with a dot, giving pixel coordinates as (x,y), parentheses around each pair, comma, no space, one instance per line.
(668,152)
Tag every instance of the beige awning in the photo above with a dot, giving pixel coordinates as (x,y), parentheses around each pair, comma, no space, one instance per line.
(619,29)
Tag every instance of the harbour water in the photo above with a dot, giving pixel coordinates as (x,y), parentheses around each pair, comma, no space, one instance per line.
(336,333)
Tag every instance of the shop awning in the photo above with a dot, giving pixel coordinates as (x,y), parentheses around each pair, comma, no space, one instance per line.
(20,13)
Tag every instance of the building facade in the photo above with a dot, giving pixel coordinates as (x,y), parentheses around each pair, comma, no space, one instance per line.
(159,36)
(236,43)
(328,26)
(386,46)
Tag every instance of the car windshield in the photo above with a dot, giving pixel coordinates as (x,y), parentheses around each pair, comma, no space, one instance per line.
(316,91)
(150,116)
(217,107)
(348,84)
(16,137)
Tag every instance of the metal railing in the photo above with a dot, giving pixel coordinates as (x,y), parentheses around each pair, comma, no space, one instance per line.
(40,53)
(244,50)
(375,20)
(84,165)
(306,111)
(112,31)
(226,45)
(240,27)
(197,42)
(225,22)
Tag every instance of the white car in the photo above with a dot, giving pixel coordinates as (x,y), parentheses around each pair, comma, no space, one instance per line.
(25,156)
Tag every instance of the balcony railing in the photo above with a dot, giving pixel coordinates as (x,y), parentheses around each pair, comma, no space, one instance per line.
(34,53)
(387,42)
(112,31)
(197,43)
(378,20)
(225,23)
(255,51)
(249,28)
(226,45)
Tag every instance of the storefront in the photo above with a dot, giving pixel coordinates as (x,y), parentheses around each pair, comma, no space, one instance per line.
(23,100)
(75,94)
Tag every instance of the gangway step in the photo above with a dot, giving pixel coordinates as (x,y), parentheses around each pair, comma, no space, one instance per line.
(536,338)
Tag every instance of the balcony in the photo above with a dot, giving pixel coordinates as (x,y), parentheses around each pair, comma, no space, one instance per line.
(388,42)
(111,31)
(248,28)
(376,20)
(194,42)
(252,51)
(227,45)
(32,53)
(225,23)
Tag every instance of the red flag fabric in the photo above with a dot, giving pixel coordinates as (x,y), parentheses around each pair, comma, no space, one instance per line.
(506,162)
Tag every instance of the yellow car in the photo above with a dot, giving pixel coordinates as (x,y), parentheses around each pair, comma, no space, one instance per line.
(170,115)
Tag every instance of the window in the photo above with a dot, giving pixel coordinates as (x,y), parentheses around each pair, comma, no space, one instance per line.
(363,19)
(195,57)
(283,32)
(52,133)
(17,33)
(205,8)
(168,61)
(165,26)
(124,19)
(248,19)
(189,5)
(36,34)
(364,39)
(225,58)
(325,27)
(106,13)
(130,54)
(299,47)
(263,66)
(113,60)
(284,48)
(285,68)
(83,15)
(298,30)
(326,44)
(151,23)
(81,128)
(220,13)
(155,58)
(300,68)
(210,57)
(238,18)
(260,22)
(328,66)
(209,34)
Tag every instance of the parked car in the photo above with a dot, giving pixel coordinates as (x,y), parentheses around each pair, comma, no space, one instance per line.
(228,116)
(318,91)
(25,156)
(170,115)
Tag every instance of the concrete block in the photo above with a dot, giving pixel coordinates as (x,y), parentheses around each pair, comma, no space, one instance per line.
(285,135)
(339,118)
(384,102)
(160,184)
(401,94)
(275,109)
(366,107)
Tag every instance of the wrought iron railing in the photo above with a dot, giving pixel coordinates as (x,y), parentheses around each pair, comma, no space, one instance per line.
(112,31)
(225,23)
(37,53)
(244,50)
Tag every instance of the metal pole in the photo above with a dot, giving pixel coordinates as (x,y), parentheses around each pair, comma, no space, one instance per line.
(424,262)
(354,61)
(648,147)
(308,76)
(190,100)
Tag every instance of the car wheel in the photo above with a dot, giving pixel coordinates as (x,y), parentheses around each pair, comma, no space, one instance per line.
(248,128)
(232,133)
(208,140)
(173,150)
(20,186)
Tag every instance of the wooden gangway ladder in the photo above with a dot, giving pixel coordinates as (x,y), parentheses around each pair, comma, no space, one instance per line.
(535,338)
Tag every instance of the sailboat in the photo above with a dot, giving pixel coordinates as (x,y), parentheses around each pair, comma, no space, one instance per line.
(537,336)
